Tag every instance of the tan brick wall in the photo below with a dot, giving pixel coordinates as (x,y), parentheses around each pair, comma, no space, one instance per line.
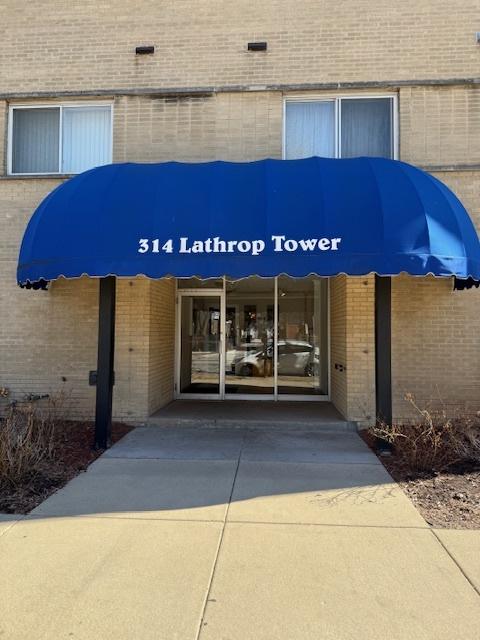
(48,340)
(435,346)
(352,340)
(132,345)
(440,125)
(466,184)
(84,44)
(436,349)
(235,127)
(47,336)
(144,350)
(162,344)
(361,349)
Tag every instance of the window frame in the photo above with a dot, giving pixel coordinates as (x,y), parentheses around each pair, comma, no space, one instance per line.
(337,100)
(52,105)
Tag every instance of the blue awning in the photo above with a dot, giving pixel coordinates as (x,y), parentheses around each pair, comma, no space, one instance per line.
(296,217)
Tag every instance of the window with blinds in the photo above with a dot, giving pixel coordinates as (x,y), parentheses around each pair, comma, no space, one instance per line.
(340,128)
(59,139)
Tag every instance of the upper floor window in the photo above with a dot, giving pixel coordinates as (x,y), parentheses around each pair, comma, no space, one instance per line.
(59,138)
(340,128)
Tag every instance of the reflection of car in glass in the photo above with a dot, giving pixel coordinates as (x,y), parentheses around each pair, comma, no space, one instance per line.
(295,357)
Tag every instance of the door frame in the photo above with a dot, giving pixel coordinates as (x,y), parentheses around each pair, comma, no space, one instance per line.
(221,293)
(200,293)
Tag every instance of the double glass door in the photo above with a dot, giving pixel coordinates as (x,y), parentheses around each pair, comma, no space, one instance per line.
(256,337)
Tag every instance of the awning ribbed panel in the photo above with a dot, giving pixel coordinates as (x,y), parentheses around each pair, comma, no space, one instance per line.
(296,217)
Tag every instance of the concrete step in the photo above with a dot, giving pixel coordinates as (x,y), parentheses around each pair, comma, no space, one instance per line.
(251,414)
(264,423)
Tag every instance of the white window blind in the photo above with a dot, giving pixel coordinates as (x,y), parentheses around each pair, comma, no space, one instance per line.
(310,129)
(366,128)
(35,141)
(340,127)
(86,138)
(63,139)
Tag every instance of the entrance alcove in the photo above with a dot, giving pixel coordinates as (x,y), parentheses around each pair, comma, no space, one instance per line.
(316,217)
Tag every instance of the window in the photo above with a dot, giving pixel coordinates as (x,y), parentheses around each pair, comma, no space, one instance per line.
(340,128)
(59,139)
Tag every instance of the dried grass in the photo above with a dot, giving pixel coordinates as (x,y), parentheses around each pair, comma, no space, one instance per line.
(435,442)
(27,438)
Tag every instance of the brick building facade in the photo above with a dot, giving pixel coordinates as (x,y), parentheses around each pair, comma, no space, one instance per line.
(203,96)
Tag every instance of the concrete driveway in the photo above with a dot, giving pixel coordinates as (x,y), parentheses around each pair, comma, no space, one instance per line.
(235,534)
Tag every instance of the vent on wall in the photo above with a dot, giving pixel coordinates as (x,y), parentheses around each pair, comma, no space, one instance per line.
(144,50)
(257,46)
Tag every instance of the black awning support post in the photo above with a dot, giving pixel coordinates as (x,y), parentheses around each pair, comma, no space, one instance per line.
(106,349)
(383,349)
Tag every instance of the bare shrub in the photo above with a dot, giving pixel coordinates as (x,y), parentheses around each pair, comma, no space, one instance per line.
(27,438)
(435,442)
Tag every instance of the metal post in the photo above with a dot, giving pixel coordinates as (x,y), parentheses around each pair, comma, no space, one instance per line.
(383,349)
(106,348)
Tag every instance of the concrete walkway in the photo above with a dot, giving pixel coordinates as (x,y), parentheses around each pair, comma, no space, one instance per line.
(238,534)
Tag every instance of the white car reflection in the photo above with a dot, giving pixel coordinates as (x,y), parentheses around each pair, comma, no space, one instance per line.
(295,357)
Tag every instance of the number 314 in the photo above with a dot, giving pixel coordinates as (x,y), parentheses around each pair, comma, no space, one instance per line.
(154,247)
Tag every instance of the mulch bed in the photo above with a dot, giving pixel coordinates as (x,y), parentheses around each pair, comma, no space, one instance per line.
(449,499)
(73,454)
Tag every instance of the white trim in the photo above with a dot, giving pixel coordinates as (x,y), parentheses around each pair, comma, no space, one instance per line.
(112,115)
(338,128)
(63,103)
(60,140)
(316,97)
(52,105)
(395,127)
(9,141)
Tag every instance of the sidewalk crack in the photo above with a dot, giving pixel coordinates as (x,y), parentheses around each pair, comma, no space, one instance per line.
(220,541)
(11,524)
(445,548)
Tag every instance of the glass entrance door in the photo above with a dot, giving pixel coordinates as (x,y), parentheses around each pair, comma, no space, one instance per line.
(200,332)
(253,338)
(302,344)
(249,337)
